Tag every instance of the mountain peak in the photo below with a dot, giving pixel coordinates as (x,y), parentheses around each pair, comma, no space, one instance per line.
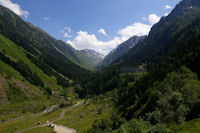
(122,49)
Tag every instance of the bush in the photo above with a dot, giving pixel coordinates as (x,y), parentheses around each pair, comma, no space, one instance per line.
(176,96)
(141,126)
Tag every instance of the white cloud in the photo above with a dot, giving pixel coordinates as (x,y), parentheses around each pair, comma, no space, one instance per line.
(167,7)
(137,29)
(153,19)
(14,7)
(66,35)
(84,40)
(47,18)
(102,31)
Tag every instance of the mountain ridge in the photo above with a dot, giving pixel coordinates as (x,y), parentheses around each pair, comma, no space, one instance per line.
(145,51)
(36,38)
(121,50)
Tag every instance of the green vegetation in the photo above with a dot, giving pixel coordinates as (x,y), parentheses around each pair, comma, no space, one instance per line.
(16,58)
(89,59)
(187,127)
(82,117)
(57,54)
(28,121)
(169,92)
(25,88)
(41,130)
(37,72)
(140,126)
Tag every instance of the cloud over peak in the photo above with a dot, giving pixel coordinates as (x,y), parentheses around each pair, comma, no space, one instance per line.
(84,40)
(14,7)
(136,29)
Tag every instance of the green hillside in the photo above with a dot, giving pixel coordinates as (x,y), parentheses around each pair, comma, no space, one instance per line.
(43,79)
(40,44)
(168,93)
(18,54)
(23,84)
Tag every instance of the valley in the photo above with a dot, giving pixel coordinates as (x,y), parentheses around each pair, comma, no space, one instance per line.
(149,83)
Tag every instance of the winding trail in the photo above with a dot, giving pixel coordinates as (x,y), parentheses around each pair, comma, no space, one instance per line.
(62,114)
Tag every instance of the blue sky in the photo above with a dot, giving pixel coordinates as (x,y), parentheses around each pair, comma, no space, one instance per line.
(94,24)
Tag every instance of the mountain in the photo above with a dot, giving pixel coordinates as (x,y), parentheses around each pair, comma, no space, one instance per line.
(89,58)
(172,52)
(43,46)
(86,58)
(23,83)
(36,69)
(168,92)
(164,36)
(121,50)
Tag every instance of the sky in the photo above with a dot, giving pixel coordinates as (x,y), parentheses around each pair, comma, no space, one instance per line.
(100,25)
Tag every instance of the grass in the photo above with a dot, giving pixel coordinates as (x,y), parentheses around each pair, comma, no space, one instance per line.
(17,53)
(22,96)
(192,126)
(11,111)
(41,130)
(29,121)
(8,71)
(82,117)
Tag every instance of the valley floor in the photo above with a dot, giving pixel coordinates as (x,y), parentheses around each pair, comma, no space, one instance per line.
(78,117)
(62,114)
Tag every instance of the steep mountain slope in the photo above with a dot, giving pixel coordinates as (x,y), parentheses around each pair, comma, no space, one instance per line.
(163,36)
(121,50)
(34,71)
(175,43)
(57,54)
(86,58)
(23,84)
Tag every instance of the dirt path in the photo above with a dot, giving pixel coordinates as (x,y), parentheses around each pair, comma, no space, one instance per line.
(62,129)
(67,130)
